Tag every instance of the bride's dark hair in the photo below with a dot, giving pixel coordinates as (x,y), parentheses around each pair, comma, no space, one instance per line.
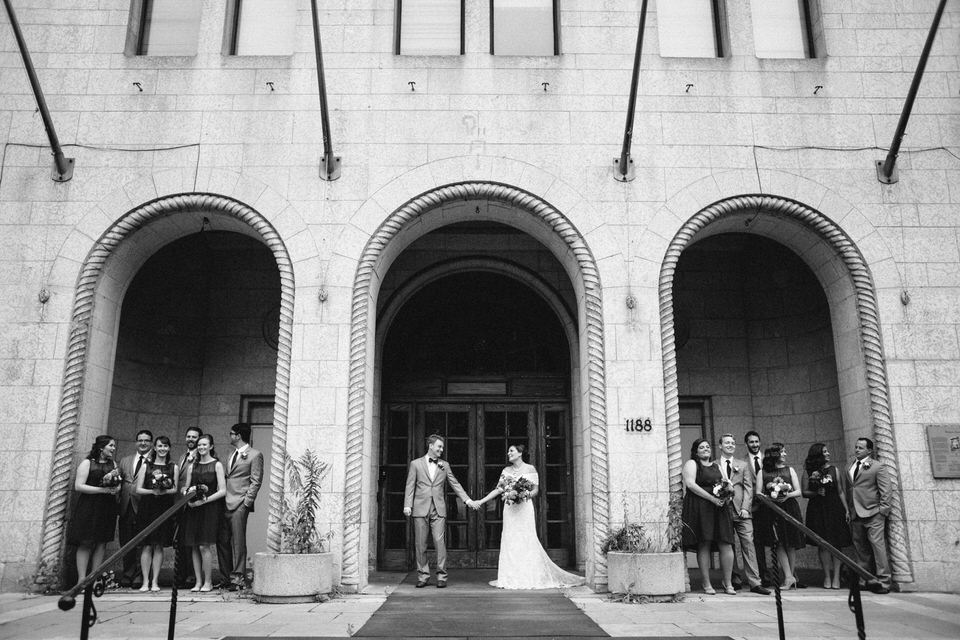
(521,449)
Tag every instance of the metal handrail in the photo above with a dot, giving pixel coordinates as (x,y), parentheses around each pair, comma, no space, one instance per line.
(853,601)
(93,583)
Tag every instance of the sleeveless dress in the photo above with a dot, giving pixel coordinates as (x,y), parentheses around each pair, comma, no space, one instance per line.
(200,525)
(524,564)
(703,520)
(152,506)
(95,514)
(826,515)
(789,536)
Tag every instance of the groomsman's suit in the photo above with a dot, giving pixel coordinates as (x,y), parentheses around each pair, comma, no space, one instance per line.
(244,474)
(754,468)
(425,500)
(132,467)
(869,488)
(741,477)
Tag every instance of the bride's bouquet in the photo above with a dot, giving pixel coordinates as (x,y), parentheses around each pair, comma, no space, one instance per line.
(515,490)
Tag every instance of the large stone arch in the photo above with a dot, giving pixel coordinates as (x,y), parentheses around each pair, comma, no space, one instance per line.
(158,221)
(542,220)
(820,243)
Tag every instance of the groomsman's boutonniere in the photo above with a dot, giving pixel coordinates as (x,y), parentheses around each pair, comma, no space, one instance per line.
(243,455)
(439,464)
(736,469)
(865,463)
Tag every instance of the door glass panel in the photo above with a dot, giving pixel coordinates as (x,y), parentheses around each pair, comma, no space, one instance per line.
(393,475)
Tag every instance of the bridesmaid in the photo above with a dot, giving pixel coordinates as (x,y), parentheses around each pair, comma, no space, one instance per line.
(203,516)
(707,519)
(157,487)
(826,509)
(95,516)
(775,476)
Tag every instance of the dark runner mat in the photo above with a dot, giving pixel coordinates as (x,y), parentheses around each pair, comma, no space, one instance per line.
(471,608)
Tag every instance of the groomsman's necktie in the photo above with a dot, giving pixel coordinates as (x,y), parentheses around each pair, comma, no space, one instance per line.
(233,460)
(729,473)
(756,464)
(136,470)
(856,471)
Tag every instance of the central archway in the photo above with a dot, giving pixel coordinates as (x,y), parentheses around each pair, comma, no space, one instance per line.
(522,210)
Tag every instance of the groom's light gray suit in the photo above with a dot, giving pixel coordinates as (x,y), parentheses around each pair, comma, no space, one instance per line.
(425,497)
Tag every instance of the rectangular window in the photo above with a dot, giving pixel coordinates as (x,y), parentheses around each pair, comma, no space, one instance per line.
(429,27)
(524,27)
(165,27)
(782,28)
(690,28)
(261,27)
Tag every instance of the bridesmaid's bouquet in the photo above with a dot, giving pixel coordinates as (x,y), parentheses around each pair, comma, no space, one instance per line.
(723,490)
(515,490)
(820,481)
(112,478)
(162,481)
(778,487)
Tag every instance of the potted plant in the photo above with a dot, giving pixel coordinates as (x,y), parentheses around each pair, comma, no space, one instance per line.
(303,570)
(639,564)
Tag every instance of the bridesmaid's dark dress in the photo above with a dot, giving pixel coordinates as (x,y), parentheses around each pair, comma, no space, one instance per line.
(152,506)
(201,523)
(790,537)
(826,515)
(703,520)
(95,516)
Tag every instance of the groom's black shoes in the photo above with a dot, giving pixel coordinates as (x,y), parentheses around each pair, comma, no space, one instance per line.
(422,583)
(441,584)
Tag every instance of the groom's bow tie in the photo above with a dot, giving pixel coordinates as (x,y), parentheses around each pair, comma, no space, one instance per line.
(433,460)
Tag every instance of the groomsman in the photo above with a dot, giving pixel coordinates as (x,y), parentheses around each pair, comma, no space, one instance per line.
(741,478)
(868,495)
(132,467)
(754,468)
(184,554)
(244,474)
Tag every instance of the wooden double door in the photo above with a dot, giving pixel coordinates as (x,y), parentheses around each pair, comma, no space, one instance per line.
(477,435)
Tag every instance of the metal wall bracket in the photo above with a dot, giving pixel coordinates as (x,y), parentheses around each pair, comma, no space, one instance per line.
(331,172)
(67,173)
(882,177)
(624,175)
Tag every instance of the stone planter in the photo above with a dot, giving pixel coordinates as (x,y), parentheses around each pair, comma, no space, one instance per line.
(280,578)
(648,574)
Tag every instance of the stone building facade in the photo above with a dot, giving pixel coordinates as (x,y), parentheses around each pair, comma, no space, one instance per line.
(754,275)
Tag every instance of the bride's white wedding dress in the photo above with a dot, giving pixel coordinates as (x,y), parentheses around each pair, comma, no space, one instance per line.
(524,564)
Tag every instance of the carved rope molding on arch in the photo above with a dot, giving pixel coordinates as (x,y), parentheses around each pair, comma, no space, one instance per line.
(361,325)
(77,349)
(869,330)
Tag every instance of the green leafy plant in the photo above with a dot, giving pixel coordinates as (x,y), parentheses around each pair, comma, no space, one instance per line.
(633,537)
(298,518)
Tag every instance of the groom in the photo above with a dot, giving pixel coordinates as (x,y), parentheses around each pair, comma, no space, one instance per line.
(425,501)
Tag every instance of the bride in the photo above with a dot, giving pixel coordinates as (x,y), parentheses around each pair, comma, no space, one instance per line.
(523,562)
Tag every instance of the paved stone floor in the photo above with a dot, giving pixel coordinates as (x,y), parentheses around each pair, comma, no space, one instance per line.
(811,613)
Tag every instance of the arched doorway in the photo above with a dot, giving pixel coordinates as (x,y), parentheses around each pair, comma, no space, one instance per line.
(474,353)
(476,201)
(847,285)
(105,275)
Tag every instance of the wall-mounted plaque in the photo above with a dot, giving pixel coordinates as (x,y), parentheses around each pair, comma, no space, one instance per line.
(944,443)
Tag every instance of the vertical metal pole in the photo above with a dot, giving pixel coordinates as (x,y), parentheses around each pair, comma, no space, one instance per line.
(329,165)
(778,576)
(624,165)
(62,167)
(857,606)
(88,616)
(885,168)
